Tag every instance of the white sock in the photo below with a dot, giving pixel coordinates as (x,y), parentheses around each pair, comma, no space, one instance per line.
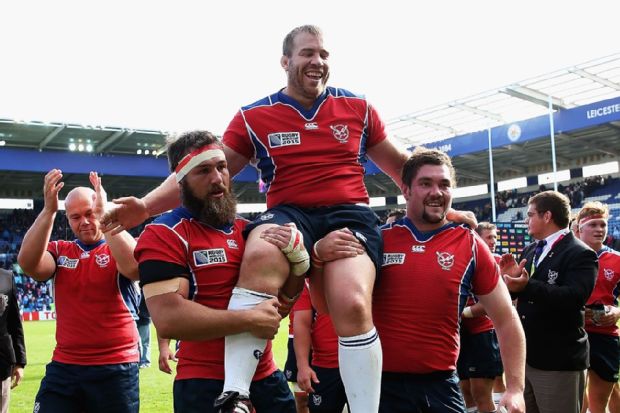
(472,410)
(361,359)
(242,351)
(497,397)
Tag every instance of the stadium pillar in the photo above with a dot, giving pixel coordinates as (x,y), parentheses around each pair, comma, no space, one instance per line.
(552,134)
(491,178)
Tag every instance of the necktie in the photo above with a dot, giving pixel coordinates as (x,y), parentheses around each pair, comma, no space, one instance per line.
(538,252)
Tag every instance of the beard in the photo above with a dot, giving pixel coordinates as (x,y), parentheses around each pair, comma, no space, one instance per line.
(433,219)
(215,212)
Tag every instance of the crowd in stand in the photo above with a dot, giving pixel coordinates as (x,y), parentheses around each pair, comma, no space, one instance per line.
(38,296)
(32,295)
(576,192)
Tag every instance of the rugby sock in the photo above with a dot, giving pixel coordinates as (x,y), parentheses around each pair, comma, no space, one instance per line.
(497,397)
(471,410)
(360,359)
(242,351)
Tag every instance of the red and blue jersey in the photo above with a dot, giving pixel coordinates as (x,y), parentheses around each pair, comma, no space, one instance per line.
(425,281)
(95,306)
(210,258)
(481,324)
(324,337)
(308,157)
(606,288)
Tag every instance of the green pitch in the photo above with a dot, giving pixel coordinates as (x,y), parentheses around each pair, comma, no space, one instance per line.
(155,386)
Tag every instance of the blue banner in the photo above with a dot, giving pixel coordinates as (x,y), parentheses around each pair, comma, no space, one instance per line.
(105,164)
(535,128)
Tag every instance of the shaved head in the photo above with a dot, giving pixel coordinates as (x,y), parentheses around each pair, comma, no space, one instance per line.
(79,193)
(80,205)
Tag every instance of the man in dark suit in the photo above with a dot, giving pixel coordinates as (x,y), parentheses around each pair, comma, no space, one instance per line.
(552,283)
(12,348)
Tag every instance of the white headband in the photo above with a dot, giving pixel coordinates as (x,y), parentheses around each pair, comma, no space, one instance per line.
(195,158)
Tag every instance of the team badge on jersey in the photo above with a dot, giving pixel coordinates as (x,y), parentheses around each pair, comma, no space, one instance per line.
(393,258)
(266,217)
(608,273)
(552,277)
(361,237)
(445,260)
(418,248)
(232,244)
(66,262)
(317,399)
(279,139)
(102,260)
(209,257)
(341,132)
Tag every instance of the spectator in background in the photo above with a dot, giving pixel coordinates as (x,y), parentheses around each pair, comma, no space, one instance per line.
(12,347)
(602,312)
(560,276)
(395,215)
(144,330)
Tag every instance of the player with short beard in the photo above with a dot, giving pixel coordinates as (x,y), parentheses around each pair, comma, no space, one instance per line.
(430,267)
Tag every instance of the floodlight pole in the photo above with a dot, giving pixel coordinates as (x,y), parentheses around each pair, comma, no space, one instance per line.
(552,133)
(491,179)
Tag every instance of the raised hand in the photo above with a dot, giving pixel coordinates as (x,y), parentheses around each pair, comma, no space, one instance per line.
(51,187)
(100,198)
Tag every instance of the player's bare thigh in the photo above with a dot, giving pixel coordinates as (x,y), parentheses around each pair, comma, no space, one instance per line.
(263,268)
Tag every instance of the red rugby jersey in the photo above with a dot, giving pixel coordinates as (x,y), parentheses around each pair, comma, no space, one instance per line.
(482,324)
(212,258)
(324,337)
(308,158)
(425,281)
(606,287)
(95,306)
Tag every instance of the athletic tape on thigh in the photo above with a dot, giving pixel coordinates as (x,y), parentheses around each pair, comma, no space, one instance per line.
(296,254)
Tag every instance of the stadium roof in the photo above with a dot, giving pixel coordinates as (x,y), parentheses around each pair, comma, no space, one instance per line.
(59,136)
(574,86)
